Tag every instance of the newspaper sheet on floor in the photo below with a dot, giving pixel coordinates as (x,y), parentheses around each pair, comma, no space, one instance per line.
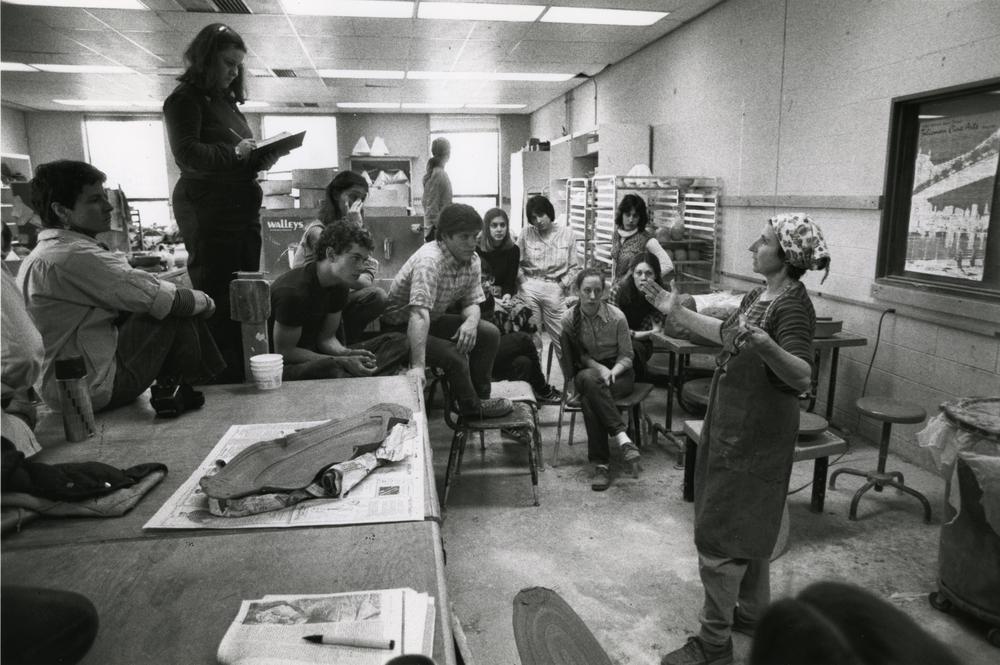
(272,629)
(391,493)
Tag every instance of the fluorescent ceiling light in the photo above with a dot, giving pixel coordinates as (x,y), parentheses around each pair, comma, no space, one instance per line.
(170,71)
(431,105)
(358,8)
(254,104)
(109,102)
(467,11)
(361,73)
(260,72)
(84,69)
(368,105)
(929,117)
(487,76)
(86,4)
(16,67)
(601,16)
(495,106)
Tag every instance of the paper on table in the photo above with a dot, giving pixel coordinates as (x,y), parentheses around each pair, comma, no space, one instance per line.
(272,628)
(391,493)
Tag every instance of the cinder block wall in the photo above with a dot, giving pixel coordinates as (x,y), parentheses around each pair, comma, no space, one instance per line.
(793,98)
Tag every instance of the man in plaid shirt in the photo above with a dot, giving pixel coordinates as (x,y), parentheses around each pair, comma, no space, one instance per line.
(439,275)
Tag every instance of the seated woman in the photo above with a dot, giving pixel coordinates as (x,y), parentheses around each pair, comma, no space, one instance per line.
(631,237)
(498,251)
(598,360)
(643,318)
(345,200)
(548,265)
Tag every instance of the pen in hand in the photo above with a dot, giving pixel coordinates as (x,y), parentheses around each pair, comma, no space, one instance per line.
(236,133)
(363,642)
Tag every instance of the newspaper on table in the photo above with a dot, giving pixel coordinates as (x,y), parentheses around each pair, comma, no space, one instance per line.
(390,493)
(272,629)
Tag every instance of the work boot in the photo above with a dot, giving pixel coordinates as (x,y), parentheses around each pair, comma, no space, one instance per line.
(697,652)
(602,478)
(492,407)
(166,400)
(193,399)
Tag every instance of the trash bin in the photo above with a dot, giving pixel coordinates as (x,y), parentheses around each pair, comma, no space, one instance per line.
(965,441)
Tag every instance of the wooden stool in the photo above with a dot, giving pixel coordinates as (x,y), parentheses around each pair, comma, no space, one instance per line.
(630,404)
(888,412)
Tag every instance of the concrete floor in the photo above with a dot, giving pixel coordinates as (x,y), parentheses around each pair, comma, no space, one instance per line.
(625,560)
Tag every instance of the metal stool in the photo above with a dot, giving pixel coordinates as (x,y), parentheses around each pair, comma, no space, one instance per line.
(630,404)
(888,412)
(523,417)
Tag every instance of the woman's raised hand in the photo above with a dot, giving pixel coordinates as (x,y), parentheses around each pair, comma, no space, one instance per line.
(354,212)
(663,300)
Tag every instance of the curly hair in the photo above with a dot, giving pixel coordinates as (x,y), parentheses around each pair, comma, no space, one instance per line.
(629,300)
(339,237)
(329,210)
(200,59)
(60,181)
(635,204)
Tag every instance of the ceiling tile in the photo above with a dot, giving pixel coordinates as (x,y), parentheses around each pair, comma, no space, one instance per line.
(124,19)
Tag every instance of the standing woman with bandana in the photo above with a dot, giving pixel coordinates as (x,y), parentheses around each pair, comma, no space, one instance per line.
(217,199)
(745,454)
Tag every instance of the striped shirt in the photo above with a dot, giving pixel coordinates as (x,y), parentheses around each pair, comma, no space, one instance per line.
(434,279)
(553,258)
(790,321)
(604,335)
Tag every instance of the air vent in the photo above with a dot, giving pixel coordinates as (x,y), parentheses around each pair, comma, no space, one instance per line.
(232,6)
(310,105)
(285,73)
(297,105)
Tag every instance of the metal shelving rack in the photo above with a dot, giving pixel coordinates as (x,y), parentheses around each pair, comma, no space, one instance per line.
(579,208)
(695,200)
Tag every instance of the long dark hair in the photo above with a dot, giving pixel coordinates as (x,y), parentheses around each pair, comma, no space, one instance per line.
(440,152)
(200,59)
(832,623)
(629,300)
(635,204)
(577,347)
(329,210)
(486,240)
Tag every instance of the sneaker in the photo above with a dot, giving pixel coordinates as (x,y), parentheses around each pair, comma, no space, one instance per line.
(494,407)
(550,395)
(519,435)
(696,652)
(744,626)
(166,400)
(602,478)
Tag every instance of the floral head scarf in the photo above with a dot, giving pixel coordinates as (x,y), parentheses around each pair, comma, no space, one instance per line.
(802,241)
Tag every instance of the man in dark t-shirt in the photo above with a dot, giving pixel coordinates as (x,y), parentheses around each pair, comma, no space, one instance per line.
(306,308)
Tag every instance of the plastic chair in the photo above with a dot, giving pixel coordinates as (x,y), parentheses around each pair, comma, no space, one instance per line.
(630,404)
(888,412)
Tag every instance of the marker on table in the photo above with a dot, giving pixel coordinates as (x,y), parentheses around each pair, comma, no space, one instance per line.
(363,642)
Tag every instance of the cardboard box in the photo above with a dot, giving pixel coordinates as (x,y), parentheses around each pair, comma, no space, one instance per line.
(311,198)
(278,202)
(315,178)
(395,196)
(280,232)
(271,187)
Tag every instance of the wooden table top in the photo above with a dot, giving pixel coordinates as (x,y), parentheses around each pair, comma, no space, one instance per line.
(133,435)
(170,600)
(668,344)
(169,595)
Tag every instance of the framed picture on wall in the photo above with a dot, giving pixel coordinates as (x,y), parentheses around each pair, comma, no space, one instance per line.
(940,225)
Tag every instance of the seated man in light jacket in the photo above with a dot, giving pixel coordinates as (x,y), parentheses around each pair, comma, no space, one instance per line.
(130,327)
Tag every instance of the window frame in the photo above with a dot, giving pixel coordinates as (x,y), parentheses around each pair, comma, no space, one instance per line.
(892,281)
(435,133)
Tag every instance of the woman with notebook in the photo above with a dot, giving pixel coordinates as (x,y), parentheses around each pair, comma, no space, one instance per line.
(217,199)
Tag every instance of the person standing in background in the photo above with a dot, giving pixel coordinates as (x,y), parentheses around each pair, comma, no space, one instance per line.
(216,201)
(437,186)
